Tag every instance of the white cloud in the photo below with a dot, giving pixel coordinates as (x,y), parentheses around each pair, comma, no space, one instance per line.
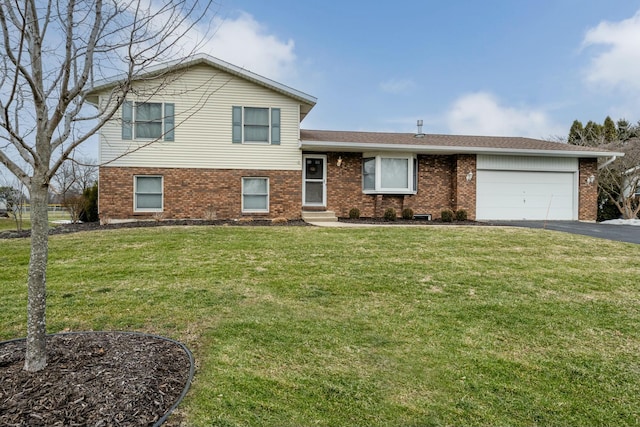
(240,40)
(482,114)
(397,86)
(245,42)
(618,63)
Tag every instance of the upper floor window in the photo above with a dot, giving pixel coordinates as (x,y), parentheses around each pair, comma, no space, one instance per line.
(256,125)
(389,174)
(148,120)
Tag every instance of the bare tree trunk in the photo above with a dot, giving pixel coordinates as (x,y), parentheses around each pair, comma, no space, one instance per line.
(44,97)
(36,355)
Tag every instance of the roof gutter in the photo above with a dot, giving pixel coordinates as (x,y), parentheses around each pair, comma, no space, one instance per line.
(440,149)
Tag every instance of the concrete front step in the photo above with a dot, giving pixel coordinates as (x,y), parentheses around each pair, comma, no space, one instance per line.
(320,216)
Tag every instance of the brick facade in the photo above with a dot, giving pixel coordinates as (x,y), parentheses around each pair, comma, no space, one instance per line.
(587,192)
(444,182)
(197,193)
(464,185)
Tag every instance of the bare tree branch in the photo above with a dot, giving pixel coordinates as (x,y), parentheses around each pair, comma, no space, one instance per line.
(52,52)
(619,180)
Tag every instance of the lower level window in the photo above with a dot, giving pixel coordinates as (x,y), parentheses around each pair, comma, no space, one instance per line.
(147,194)
(255,195)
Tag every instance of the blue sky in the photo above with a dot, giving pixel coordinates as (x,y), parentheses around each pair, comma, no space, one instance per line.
(493,67)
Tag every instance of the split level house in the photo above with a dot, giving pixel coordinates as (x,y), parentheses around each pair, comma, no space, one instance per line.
(203,138)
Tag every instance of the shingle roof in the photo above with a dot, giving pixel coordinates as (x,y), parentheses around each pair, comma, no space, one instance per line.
(430,143)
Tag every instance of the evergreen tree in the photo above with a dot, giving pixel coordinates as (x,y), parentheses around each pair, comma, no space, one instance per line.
(90,211)
(609,131)
(576,133)
(593,133)
(624,130)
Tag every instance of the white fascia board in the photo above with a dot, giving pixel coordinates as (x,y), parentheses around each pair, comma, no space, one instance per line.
(422,149)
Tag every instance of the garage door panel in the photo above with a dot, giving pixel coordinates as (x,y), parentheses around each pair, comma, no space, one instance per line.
(525,195)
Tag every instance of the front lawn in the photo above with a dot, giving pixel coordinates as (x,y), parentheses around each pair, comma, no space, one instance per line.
(8,223)
(377,326)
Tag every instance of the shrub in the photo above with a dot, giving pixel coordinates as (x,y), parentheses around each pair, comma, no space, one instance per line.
(461,215)
(354,213)
(90,211)
(210,213)
(446,215)
(607,210)
(407,213)
(105,219)
(390,214)
(75,205)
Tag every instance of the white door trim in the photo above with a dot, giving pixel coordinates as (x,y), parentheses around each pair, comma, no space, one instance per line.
(305,180)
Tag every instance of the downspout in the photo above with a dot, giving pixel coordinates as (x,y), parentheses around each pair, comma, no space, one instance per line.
(608,162)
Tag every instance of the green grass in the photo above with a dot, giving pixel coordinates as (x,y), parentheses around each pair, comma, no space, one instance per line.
(378,326)
(10,223)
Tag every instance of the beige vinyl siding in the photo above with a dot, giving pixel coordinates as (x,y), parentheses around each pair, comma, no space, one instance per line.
(203,98)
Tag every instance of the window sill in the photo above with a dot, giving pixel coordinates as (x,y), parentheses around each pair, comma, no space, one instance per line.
(390,192)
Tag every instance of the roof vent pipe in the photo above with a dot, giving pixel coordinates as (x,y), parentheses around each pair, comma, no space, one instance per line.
(419,134)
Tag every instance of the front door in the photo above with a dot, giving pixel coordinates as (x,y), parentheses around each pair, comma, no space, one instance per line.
(315,180)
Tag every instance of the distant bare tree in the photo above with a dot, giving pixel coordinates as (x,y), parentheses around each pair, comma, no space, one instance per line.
(14,200)
(70,182)
(75,205)
(51,53)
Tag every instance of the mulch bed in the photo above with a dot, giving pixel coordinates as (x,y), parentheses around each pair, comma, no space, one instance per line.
(401,221)
(89,226)
(97,379)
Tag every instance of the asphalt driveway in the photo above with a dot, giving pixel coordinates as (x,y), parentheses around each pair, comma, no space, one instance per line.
(620,233)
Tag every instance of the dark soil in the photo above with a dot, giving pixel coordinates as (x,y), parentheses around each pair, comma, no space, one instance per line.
(93,379)
(401,221)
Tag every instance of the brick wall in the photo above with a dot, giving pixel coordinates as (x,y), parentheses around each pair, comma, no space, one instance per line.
(464,190)
(436,176)
(344,185)
(194,193)
(588,193)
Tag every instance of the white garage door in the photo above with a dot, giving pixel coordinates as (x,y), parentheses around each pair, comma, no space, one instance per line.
(532,195)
